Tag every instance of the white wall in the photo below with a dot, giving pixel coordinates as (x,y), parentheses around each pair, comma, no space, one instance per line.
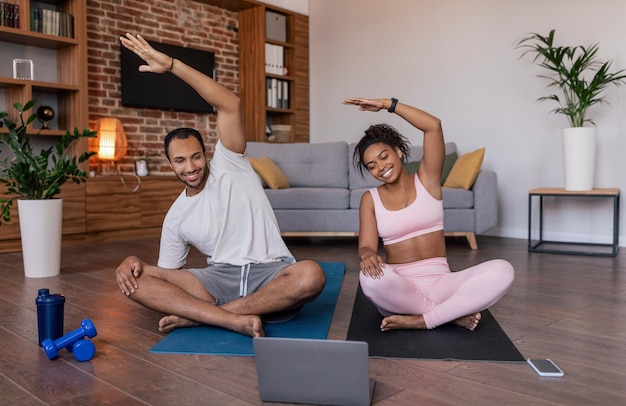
(456,59)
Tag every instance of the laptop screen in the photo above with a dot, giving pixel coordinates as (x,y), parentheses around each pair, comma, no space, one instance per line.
(325,372)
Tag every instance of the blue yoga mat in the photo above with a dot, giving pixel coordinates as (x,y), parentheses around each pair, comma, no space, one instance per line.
(313,321)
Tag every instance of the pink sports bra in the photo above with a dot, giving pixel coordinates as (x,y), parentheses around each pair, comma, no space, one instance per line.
(423,216)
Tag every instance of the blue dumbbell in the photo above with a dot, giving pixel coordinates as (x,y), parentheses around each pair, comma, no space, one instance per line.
(83,350)
(69,340)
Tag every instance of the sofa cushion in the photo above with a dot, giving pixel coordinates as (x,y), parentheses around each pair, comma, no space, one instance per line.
(465,170)
(309,198)
(355,197)
(454,198)
(448,163)
(412,166)
(307,165)
(322,221)
(271,174)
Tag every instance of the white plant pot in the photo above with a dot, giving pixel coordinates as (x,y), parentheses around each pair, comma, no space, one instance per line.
(579,157)
(40,229)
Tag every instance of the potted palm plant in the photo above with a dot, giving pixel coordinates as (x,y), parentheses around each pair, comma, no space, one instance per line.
(34,181)
(580,78)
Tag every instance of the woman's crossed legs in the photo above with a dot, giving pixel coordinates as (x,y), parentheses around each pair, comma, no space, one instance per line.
(426,294)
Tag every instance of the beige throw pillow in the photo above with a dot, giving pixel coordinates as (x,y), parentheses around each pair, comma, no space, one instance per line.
(270,173)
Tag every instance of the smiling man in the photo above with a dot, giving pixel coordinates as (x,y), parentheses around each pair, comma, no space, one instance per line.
(224,213)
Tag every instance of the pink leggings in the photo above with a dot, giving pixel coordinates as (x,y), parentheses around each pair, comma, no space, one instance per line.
(429,288)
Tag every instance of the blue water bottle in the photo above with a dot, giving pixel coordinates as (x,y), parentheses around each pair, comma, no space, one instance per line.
(49,315)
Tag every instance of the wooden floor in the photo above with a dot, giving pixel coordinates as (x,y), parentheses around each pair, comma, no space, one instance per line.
(569,308)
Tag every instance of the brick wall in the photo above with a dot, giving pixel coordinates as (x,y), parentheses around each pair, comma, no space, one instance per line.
(179,22)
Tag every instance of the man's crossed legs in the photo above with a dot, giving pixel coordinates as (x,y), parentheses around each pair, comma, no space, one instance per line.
(180,294)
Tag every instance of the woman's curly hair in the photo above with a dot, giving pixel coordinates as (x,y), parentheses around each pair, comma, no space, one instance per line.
(379,133)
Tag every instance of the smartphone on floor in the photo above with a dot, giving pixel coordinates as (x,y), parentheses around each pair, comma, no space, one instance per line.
(545,367)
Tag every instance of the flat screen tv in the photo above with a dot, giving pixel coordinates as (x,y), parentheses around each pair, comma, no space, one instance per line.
(164,91)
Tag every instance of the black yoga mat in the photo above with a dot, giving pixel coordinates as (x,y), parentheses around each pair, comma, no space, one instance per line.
(488,342)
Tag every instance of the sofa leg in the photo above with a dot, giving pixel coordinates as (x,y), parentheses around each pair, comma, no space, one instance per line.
(471,239)
(470,236)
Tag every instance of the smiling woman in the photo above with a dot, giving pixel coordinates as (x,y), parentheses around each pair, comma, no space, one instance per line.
(406,212)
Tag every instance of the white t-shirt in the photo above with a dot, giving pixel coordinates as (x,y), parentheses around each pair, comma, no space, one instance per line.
(230,220)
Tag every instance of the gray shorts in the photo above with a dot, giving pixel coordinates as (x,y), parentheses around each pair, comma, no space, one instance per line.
(229,282)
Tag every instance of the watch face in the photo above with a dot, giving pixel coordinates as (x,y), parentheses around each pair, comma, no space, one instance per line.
(392,107)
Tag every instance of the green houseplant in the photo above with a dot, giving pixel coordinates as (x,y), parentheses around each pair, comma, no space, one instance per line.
(576,71)
(32,176)
(580,79)
(34,180)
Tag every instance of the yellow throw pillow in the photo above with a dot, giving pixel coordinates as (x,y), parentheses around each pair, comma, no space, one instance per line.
(465,170)
(269,172)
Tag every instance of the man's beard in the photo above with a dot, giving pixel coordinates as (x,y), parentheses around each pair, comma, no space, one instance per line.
(198,184)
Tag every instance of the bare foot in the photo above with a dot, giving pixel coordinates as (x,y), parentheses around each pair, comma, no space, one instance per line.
(470,321)
(249,325)
(171,322)
(244,324)
(398,322)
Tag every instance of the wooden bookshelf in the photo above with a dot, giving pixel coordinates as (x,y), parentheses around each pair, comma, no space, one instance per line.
(59,68)
(259,114)
(252,75)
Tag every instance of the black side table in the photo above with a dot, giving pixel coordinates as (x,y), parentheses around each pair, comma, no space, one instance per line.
(562,193)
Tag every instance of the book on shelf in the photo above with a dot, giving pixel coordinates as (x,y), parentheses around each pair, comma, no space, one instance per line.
(274,59)
(10,14)
(284,102)
(277,92)
(51,22)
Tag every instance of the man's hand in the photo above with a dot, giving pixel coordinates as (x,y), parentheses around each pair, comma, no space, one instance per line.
(127,274)
(157,62)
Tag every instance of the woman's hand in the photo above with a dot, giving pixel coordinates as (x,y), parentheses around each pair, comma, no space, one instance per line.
(372,266)
(366,104)
(127,274)
(157,62)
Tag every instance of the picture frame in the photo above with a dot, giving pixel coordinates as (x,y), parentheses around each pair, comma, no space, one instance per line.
(23,69)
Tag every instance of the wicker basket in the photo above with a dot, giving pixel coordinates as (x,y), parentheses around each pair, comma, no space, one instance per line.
(280,133)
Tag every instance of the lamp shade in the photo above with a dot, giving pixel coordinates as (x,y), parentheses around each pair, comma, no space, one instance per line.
(111,141)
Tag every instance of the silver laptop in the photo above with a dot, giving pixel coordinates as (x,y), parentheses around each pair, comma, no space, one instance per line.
(323,372)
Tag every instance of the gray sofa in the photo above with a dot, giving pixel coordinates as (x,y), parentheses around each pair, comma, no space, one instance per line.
(325,190)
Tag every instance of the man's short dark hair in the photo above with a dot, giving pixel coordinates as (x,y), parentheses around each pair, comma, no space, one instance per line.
(182,134)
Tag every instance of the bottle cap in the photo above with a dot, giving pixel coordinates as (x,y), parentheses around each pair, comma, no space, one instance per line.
(46,299)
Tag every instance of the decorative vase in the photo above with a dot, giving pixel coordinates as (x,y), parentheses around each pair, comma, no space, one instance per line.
(579,157)
(40,230)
